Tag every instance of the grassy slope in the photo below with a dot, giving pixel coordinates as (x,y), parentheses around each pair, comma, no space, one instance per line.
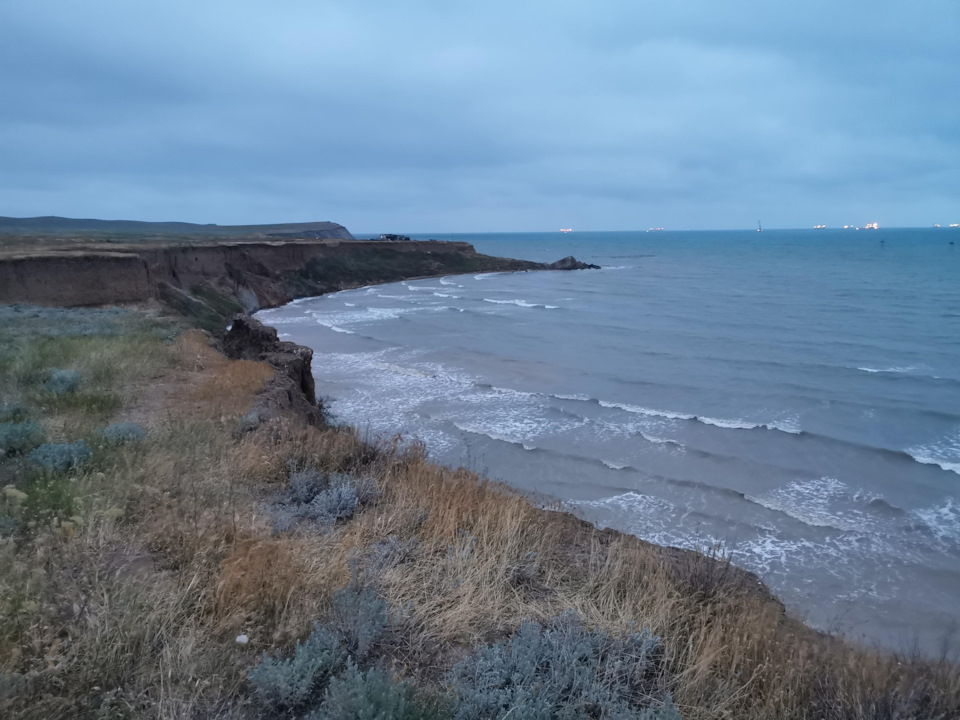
(127,581)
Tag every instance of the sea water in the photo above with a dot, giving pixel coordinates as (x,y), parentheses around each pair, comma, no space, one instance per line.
(791,395)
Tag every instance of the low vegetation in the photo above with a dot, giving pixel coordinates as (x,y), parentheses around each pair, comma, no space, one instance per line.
(185,570)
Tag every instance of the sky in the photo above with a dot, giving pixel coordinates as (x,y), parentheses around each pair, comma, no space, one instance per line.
(454,116)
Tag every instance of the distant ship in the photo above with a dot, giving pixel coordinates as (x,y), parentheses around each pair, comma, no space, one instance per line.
(759,226)
(819,227)
(566,229)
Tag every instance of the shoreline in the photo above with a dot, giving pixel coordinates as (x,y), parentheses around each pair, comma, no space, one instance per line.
(868,636)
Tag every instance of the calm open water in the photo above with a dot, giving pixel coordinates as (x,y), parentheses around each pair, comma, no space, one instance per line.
(793,395)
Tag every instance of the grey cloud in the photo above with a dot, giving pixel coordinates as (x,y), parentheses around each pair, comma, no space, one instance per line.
(431,115)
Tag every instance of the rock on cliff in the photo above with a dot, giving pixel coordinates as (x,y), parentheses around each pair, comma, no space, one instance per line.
(571,263)
(292,387)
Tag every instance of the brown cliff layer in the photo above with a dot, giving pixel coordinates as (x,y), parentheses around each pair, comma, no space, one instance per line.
(241,275)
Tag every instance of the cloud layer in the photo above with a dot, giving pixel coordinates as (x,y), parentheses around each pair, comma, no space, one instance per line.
(453,116)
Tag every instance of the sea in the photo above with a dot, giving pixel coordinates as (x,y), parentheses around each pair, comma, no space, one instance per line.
(787,398)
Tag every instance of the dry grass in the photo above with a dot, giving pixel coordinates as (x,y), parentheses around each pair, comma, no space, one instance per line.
(130,608)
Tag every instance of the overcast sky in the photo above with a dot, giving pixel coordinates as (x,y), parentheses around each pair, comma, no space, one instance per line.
(446,115)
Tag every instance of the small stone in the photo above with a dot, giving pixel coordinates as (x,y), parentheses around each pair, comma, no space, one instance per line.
(114,513)
(242,639)
(13,495)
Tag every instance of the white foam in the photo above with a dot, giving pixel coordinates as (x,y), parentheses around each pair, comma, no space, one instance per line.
(787,426)
(613,465)
(445,281)
(350,304)
(943,520)
(483,276)
(825,502)
(944,453)
(582,398)
(632,503)
(520,303)
(661,441)
(953,467)
(903,369)
(447,295)
(476,430)
(422,287)
(637,410)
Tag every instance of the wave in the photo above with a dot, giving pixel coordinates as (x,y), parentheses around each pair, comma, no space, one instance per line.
(943,521)
(927,455)
(582,398)
(520,303)
(617,267)
(505,391)
(899,370)
(780,426)
(422,287)
(335,328)
(662,441)
(924,459)
(473,430)
(445,281)
(350,304)
(944,452)
(448,295)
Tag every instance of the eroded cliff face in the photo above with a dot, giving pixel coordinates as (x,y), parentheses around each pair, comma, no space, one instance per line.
(251,275)
(72,279)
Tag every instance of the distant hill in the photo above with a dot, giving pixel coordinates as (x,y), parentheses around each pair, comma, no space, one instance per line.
(59,226)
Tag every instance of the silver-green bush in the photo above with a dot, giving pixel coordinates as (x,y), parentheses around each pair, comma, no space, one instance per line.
(293,684)
(359,618)
(17,438)
(562,672)
(62,382)
(13,412)
(61,457)
(122,433)
(369,695)
(305,485)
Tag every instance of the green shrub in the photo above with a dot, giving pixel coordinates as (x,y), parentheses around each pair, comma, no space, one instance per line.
(49,497)
(292,684)
(17,438)
(61,457)
(562,672)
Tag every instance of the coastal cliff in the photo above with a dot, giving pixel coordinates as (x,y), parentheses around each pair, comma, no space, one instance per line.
(219,278)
